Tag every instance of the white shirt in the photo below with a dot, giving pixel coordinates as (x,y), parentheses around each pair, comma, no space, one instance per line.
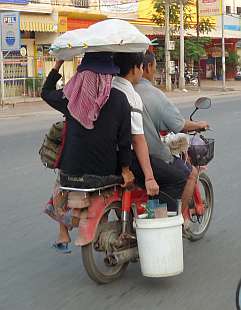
(135,102)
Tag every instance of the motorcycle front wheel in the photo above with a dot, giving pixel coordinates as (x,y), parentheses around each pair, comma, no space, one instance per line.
(199,227)
(94,256)
(238,296)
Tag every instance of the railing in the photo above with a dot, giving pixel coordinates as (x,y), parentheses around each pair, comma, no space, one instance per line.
(75,3)
(40,1)
(20,79)
(24,76)
(80,3)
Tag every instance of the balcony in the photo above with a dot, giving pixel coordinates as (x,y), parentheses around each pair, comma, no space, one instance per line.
(71,3)
(80,3)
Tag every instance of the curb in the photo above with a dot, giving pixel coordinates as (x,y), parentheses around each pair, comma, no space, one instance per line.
(26,114)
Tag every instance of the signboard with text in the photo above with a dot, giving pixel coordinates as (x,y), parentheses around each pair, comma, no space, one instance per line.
(15,1)
(10,31)
(119,6)
(209,7)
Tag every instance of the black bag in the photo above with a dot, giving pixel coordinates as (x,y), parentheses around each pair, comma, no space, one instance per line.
(51,148)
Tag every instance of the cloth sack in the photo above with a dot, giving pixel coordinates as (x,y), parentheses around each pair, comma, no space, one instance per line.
(50,150)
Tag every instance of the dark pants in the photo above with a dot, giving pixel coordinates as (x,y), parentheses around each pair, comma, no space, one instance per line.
(170,178)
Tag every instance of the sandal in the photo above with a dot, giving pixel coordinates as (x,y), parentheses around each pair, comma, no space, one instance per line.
(62,247)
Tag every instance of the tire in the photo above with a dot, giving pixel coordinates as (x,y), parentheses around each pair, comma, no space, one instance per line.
(238,296)
(194,82)
(195,235)
(88,253)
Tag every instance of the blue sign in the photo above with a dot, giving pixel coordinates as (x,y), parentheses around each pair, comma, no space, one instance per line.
(10,31)
(15,1)
(232,27)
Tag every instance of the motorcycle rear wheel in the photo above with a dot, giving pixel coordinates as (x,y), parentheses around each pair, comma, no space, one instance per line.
(92,267)
(197,230)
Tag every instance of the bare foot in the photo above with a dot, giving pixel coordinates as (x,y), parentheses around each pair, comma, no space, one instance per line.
(63,236)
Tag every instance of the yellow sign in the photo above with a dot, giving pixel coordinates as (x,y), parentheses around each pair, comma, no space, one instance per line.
(63,24)
(146,10)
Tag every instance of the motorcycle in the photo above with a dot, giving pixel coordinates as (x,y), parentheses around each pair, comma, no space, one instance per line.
(191,79)
(107,233)
(238,296)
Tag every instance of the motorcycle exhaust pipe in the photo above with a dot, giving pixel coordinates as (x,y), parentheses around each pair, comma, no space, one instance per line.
(121,257)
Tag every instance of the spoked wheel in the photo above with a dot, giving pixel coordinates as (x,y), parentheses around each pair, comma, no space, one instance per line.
(200,225)
(95,254)
(238,296)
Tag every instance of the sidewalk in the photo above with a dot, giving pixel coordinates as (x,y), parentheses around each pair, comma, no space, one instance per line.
(27,106)
(208,88)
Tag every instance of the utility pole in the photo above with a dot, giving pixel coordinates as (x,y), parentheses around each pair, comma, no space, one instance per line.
(167,52)
(198,34)
(223,48)
(181,62)
(2,77)
(197,25)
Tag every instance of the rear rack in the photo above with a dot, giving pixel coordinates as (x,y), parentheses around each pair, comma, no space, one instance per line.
(87,190)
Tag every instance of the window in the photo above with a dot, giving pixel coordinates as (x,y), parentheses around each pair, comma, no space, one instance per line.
(228,9)
(238,10)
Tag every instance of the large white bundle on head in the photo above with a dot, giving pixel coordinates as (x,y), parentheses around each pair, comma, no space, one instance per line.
(113,35)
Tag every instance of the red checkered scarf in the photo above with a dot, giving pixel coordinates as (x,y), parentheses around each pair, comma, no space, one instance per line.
(87,93)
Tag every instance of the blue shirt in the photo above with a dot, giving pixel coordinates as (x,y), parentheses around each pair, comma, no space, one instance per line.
(158,114)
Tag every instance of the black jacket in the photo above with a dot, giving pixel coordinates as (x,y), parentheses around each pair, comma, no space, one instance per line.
(93,151)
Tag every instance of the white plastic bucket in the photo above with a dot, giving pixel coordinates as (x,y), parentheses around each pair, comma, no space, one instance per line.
(160,246)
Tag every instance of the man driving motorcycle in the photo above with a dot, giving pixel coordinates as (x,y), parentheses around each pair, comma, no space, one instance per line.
(159,114)
(170,180)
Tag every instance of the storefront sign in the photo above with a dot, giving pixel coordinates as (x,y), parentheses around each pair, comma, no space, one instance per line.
(15,1)
(119,6)
(10,31)
(216,51)
(74,23)
(209,7)
(62,24)
(232,27)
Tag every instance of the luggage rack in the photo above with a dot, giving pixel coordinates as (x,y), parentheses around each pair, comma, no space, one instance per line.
(87,190)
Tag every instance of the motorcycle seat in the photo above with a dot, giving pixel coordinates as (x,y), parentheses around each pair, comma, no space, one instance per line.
(88,182)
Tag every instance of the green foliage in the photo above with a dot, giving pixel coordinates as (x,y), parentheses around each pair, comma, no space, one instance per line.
(232,60)
(205,24)
(193,49)
(160,53)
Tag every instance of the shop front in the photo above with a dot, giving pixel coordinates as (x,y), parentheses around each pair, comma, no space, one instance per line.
(211,65)
(70,21)
(25,69)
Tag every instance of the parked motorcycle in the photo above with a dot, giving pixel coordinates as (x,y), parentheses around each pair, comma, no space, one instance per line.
(191,79)
(106,231)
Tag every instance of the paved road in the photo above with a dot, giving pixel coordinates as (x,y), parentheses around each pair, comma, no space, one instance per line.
(34,277)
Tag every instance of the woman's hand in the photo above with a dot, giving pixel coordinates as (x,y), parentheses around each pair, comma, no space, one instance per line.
(58,64)
(128,177)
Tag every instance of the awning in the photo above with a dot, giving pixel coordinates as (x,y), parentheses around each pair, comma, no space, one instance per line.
(40,23)
(147,27)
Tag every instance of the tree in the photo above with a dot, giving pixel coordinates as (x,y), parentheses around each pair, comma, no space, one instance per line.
(194,49)
(205,24)
(232,60)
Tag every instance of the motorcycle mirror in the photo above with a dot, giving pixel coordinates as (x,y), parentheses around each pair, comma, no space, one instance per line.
(203,103)
(238,296)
